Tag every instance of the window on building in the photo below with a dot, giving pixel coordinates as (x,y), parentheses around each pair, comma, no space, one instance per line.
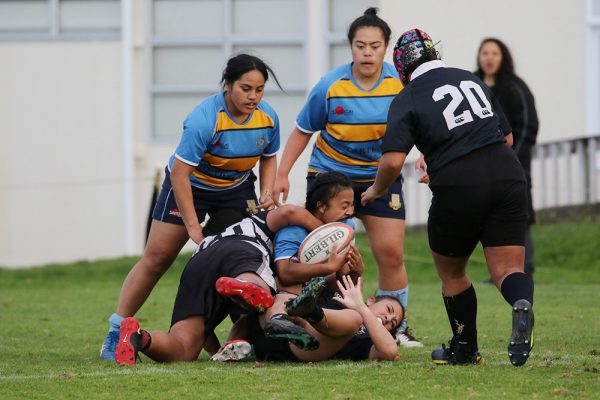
(59,19)
(341,14)
(191,41)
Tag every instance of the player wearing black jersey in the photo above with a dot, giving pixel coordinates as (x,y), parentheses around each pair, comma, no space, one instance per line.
(478,186)
(234,265)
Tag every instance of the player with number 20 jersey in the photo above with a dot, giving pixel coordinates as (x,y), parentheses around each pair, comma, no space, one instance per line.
(455,112)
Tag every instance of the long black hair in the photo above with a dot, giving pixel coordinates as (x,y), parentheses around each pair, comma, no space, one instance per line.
(324,187)
(507,68)
(369,18)
(240,64)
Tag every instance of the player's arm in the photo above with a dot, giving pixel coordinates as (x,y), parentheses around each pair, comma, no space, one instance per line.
(384,347)
(389,170)
(291,272)
(267,168)
(295,145)
(292,215)
(180,179)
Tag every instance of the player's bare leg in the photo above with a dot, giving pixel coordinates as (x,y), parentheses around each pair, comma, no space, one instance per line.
(506,265)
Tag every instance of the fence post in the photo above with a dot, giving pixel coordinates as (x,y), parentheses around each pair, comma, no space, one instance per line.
(592,178)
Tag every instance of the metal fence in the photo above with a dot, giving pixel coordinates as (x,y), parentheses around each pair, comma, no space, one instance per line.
(565,173)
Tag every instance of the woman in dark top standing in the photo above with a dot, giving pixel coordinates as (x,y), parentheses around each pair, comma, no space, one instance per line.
(496,69)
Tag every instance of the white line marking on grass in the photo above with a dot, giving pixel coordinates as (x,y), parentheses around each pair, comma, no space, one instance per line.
(543,360)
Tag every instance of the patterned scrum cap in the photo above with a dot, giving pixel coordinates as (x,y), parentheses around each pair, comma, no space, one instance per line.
(409,49)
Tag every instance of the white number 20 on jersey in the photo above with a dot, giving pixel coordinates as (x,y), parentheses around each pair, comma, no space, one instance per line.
(470,89)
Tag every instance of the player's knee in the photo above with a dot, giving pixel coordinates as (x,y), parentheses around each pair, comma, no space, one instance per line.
(157,262)
(390,259)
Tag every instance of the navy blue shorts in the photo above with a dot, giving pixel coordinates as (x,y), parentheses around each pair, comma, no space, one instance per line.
(224,208)
(389,206)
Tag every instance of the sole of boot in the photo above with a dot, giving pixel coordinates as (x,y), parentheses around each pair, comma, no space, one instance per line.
(522,335)
(252,295)
(125,353)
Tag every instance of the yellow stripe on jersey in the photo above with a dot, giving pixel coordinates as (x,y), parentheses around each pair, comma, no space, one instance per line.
(330,152)
(231,164)
(259,119)
(356,133)
(315,171)
(346,88)
(210,180)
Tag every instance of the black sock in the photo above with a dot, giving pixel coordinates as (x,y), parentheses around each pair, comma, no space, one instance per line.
(462,314)
(517,286)
(146,340)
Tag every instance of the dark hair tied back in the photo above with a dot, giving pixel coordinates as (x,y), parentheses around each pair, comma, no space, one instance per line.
(369,18)
(242,63)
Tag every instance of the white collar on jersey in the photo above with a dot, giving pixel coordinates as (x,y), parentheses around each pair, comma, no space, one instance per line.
(425,67)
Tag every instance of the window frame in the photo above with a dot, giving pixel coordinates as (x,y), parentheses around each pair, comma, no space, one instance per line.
(227,42)
(55,34)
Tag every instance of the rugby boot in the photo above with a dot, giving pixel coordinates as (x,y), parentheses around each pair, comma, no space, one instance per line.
(249,295)
(457,353)
(130,342)
(281,326)
(233,351)
(522,337)
(107,352)
(305,305)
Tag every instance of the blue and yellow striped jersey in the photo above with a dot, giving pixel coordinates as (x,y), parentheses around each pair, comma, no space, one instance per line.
(351,121)
(223,151)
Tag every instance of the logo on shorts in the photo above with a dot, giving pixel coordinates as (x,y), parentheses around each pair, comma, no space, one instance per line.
(395,203)
(252,209)
(175,212)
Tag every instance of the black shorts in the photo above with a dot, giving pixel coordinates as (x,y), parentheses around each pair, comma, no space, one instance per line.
(389,206)
(197,294)
(481,197)
(225,207)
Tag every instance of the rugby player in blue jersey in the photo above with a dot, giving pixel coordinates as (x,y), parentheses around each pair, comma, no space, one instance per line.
(348,107)
(223,139)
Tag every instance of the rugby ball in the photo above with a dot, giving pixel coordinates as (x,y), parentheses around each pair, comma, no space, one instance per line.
(318,245)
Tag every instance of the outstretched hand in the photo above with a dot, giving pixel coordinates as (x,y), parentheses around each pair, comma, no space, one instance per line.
(351,294)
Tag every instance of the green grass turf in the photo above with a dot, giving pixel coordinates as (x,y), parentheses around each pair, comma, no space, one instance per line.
(53,321)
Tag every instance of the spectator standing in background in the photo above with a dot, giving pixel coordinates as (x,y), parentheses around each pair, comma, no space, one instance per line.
(496,69)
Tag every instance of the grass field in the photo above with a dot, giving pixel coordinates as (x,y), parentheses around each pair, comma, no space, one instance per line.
(53,321)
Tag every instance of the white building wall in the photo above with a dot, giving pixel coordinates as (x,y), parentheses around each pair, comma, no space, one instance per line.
(61,151)
(61,126)
(546,39)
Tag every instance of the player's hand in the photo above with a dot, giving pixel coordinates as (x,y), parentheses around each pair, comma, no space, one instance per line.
(281,188)
(369,195)
(354,261)
(195,233)
(266,201)
(337,261)
(351,294)
(421,165)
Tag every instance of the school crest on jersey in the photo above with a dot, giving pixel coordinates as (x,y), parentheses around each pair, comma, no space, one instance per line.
(395,203)
(261,143)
